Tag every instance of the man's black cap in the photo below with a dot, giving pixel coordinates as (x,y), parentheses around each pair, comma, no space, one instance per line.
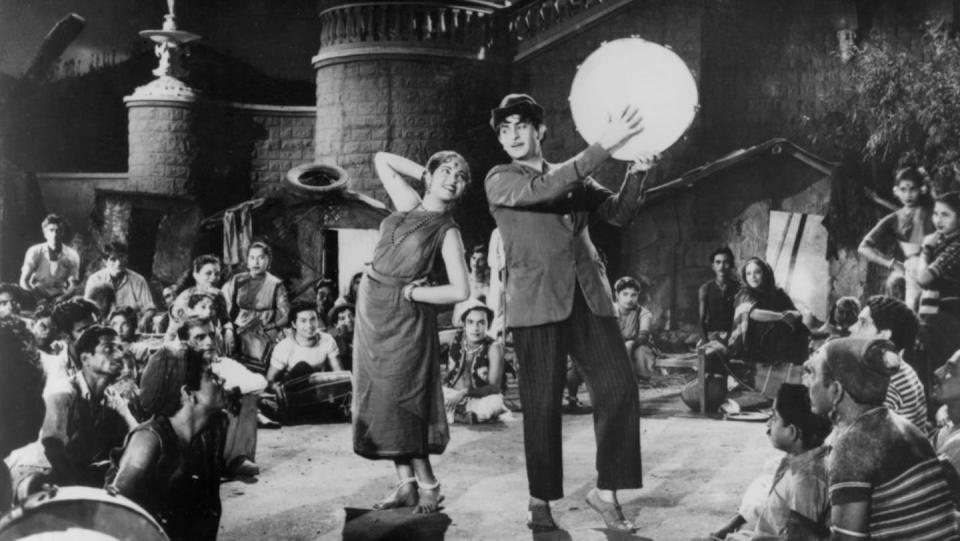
(516,104)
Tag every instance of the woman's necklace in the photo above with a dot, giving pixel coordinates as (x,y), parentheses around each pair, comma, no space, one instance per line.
(395,239)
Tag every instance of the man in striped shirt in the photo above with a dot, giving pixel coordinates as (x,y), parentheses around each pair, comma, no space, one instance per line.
(890,319)
(885,479)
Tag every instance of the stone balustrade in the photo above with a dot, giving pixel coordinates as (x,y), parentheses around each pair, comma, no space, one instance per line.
(534,25)
(463,29)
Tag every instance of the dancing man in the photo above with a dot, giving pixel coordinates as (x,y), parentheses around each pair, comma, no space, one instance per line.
(558,302)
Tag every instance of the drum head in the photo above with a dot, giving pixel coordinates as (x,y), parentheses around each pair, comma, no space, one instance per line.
(71,513)
(633,71)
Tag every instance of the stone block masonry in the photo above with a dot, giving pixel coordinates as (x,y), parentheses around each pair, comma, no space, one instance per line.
(219,153)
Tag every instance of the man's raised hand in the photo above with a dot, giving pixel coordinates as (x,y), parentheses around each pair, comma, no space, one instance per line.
(621,129)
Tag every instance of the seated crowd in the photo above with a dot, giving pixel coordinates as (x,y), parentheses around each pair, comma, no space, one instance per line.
(159,405)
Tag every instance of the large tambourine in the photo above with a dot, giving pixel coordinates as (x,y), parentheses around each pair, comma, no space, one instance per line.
(71,513)
(633,71)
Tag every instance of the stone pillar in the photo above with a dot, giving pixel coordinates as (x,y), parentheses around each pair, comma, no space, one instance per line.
(163,145)
(410,78)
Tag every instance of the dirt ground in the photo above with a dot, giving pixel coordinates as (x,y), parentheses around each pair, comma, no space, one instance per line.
(695,470)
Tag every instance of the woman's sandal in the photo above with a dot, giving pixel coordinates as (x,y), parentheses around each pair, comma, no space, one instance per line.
(430,498)
(400,497)
(611,512)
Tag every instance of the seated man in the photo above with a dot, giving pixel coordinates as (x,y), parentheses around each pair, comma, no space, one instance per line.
(70,318)
(171,464)
(890,319)
(82,422)
(130,288)
(885,479)
(241,438)
(796,506)
(635,324)
(43,329)
(717,297)
(11,300)
(473,386)
(305,371)
(21,399)
(51,270)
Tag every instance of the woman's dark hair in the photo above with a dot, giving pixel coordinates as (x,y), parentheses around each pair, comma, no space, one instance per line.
(952,200)
(920,178)
(351,295)
(768,281)
(443,157)
(206,259)
(263,246)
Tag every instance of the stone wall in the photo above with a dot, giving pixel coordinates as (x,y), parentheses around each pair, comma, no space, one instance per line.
(411,107)
(287,141)
(219,153)
(670,242)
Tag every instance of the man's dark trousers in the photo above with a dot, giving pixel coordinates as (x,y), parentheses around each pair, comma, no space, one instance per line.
(598,350)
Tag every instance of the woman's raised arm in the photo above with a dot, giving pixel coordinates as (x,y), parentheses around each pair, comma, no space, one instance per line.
(391,169)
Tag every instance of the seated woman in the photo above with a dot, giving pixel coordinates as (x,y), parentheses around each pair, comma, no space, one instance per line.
(473,386)
(171,465)
(257,304)
(635,324)
(305,371)
(350,297)
(342,318)
(767,327)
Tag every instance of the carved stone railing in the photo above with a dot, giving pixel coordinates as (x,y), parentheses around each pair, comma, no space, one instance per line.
(464,29)
(533,26)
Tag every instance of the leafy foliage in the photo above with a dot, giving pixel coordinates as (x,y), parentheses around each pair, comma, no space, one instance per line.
(901,107)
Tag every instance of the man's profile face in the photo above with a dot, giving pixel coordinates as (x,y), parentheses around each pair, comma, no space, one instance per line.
(519,138)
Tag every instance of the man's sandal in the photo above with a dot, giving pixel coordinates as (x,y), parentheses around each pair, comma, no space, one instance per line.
(395,499)
(424,505)
(611,512)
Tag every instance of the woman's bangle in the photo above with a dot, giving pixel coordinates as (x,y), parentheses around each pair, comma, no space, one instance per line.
(408,291)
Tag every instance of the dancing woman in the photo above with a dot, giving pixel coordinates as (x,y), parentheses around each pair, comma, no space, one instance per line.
(398,402)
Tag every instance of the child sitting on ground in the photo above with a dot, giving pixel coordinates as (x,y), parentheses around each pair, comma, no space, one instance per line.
(797,505)
(635,323)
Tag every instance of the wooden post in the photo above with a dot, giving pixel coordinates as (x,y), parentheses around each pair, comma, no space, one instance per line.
(702,378)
